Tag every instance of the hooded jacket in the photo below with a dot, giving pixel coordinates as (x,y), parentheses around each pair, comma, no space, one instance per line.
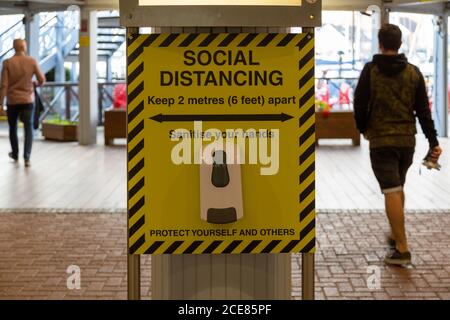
(391,92)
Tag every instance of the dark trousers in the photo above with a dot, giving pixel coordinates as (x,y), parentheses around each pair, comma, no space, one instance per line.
(24,112)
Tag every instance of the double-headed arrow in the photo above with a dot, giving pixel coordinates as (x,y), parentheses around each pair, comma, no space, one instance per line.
(282,117)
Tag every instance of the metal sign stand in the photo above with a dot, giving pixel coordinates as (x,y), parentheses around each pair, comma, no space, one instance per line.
(134,275)
(308,276)
(172,264)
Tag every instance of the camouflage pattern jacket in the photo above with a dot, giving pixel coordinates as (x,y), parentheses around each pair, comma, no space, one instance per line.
(391,92)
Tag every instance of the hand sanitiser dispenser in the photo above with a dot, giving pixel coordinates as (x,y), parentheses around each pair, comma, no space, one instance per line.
(221,187)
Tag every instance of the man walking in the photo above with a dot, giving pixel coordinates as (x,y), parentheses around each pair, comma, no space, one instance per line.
(390,94)
(17,87)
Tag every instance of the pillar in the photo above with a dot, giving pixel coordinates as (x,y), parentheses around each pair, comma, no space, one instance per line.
(384,14)
(376,23)
(60,72)
(73,72)
(31,24)
(440,81)
(88,89)
(109,73)
(60,75)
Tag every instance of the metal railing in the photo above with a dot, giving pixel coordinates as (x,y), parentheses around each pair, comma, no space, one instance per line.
(336,92)
(333,92)
(58,34)
(7,37)
(60,99)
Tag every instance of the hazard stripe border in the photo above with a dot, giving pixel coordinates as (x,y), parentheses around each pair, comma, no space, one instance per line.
(136,143)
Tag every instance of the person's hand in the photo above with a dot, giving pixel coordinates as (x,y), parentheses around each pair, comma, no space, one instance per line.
(436,152)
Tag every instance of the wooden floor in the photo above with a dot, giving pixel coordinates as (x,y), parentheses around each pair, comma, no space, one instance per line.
(69,176)
(345,179)
(64,175)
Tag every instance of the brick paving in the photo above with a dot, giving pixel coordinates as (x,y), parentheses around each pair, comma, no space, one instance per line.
(36,249)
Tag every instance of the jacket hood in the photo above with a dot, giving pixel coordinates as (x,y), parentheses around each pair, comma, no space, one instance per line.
(390,65)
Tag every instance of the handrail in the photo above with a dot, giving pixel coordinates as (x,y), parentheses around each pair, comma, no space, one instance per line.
(65,92)
(10,28)
(5,53)
(75,84)
(5,34)
(48,21)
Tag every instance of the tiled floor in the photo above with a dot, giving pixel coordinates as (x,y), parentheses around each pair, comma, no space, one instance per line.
(34,258)
(37,248)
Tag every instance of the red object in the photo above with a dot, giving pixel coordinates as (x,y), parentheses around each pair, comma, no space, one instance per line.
(323,92)
(344,94)
(84,25)
(120,97)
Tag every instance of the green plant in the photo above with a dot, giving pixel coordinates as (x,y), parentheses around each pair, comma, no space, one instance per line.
(61,122)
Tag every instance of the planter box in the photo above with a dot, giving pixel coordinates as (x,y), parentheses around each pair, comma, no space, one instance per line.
(115,125)
(59,132)
(337,125)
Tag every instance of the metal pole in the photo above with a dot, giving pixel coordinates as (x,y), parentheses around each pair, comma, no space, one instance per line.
(385,15)
(440,82)
(134,277)
(68,90)
(134,261)
(308,276)
(100,104)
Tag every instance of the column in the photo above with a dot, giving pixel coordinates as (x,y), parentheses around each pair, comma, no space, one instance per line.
(73,72)
(88,89)
(376,22)
(31,23)
(385,15)
(109,73)
(440,81)
(60,75)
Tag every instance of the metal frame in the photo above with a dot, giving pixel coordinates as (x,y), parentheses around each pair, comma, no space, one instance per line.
(306,15)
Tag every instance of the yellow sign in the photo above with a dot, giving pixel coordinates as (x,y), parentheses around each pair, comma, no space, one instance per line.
(84,41)
(221,143)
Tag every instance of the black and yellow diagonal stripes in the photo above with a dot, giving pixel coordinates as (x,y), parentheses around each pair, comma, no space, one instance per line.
(221,246)
(139,223)
(136,142)
(241,40)
(307,141)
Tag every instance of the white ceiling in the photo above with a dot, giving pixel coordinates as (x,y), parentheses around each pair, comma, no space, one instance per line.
(430,6)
